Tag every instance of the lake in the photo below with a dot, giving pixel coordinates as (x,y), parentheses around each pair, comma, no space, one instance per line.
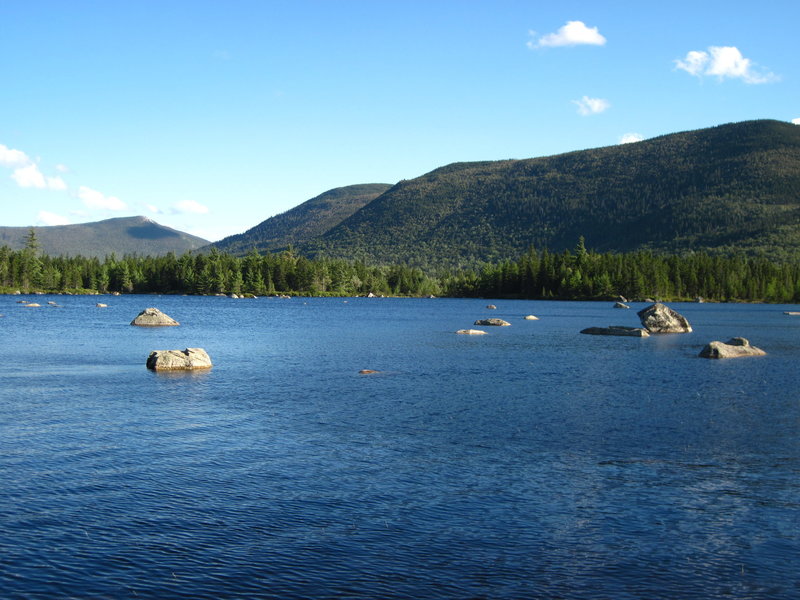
(532,462)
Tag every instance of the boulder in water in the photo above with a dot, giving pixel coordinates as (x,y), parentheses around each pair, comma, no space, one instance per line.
(152,317)
(493,322)
(471,332)
(189,359)
(617,330)
(659,318)
(733,348)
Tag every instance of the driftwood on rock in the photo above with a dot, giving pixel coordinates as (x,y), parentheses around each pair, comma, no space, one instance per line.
(152,317)
(733,348)
(659,318)
(189,359)
(493,322)
(617,330)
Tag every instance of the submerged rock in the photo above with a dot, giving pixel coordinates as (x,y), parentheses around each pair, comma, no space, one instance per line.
(189,359)
(152,317)
(659,318)
(471,332)
(368,372)
(101,305)
(733,348)
(492,322)
(617,330)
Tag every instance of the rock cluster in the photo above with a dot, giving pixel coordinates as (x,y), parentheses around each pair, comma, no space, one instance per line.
(733,348)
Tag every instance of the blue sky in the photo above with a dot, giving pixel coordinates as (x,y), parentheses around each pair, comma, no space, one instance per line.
(210,117)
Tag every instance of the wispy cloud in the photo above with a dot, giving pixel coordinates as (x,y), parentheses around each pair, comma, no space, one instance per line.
(629,138)
(574,33)
(724,62)
(48,218)
(12,158)
(26,172)
(796,121)
(591,106)
(97,200)
(189,206)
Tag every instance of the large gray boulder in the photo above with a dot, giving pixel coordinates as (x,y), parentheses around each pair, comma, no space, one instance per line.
(617,330)
(659,318)
(733,348)
(493,322)
(189,359)
(152,317)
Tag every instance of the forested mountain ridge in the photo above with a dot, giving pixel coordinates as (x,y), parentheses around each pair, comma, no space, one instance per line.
(124,235)
(304,222)
(722,189)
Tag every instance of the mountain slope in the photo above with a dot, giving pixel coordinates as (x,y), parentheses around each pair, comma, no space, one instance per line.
(304,222)
(722,188)
(126,235)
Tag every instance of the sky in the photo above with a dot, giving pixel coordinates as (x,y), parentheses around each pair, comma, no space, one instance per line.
(210,117)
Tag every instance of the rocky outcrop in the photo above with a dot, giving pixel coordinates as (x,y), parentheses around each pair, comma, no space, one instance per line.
(733,348)
(152,317)
(491,307)
(471,332)
(189,359)
(492,322)
(659,318)
(531,318)
(617,330)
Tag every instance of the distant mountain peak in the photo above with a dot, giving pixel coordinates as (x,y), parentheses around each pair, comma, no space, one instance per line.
(120,235)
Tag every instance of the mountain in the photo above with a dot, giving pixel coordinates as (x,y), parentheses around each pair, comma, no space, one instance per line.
(726,188)
(126,235)
(304,222)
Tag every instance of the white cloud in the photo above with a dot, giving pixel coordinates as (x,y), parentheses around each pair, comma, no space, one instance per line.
(56,183)
(591,106)
(62,169)
(796,121)
(574,33)
(189,206)
(629,138)
(12,158)
(723,62)
(30,176)
(94,199)
(49,218)
(153,209)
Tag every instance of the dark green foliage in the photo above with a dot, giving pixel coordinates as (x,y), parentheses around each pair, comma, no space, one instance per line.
(723,189)
(578,274)
(127,235)
(639,275)
(304,222)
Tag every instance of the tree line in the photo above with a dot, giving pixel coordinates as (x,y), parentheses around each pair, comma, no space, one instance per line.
(577,274)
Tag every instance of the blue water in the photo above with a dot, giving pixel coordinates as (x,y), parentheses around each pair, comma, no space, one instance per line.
(533,462)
